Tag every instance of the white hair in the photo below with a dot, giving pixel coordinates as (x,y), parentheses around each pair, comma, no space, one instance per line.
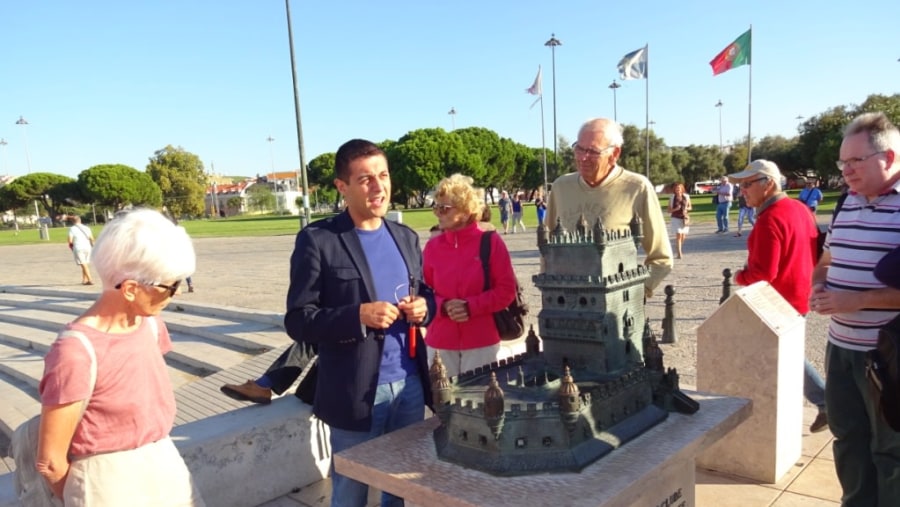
(145,246)
(612,130)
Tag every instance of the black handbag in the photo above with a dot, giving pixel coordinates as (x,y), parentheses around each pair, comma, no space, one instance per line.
(510,321)
(883,372)
(306,389)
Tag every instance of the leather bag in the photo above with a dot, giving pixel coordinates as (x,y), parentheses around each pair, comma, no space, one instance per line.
(510,321)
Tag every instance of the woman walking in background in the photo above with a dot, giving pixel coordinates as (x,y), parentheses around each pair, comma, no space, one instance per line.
(463,331)
(541,206)
(679,206)
(517,213)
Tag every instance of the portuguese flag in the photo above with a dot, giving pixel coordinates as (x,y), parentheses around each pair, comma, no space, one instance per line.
(736,54)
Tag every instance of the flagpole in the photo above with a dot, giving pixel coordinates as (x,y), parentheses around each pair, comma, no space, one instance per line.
(543,147)
(647,106)
(750,101)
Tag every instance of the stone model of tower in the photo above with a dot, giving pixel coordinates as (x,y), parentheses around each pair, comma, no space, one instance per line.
(592,289)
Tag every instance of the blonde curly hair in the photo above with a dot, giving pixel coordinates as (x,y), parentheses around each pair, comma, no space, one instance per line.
(458,189)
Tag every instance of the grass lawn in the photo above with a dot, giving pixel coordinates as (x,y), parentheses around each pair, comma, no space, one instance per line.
(419,219)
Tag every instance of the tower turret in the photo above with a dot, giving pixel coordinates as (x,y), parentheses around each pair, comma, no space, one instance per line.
(637,230)
(494,411)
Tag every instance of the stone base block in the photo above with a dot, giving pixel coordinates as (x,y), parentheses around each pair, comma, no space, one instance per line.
(655,469)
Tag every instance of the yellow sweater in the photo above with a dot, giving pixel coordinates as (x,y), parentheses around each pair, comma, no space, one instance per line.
(622,195)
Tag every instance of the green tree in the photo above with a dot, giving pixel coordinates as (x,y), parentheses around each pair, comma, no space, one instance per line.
(181,179)
(260,197)
(421,158)
(736,159)
(47,188)
(697,163)
(116,185)
(320,173)
(235,203)
(533,159)
(780,150)
(634,155)
(821,135)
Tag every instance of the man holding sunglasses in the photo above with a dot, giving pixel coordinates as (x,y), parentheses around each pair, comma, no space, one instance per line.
(600,188)
(782,250)
(845,286)
(345,298)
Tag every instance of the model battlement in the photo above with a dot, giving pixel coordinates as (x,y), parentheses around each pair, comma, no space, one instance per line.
(638,273)
(584,235)
(585,386)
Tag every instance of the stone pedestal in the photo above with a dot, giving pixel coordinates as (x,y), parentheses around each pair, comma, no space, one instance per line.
(753,347)
(655,469)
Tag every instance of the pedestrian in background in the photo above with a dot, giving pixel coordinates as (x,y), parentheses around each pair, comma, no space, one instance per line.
(81,243)
(724,198)
(745,211)
(505,206)
(679,206)
(540,205)
(811,196)
(517,213)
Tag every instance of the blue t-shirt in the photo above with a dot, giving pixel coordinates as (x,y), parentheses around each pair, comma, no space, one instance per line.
(391,279)
(810,196)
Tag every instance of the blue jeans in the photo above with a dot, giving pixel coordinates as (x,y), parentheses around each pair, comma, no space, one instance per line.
(745,213)
(722,215)
(866,449)
(397,405)
(813,386)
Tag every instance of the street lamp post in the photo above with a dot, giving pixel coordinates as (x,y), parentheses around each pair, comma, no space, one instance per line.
(553,42)
(615,86)
(23,122)
(799,119)
(719,106)
(3,144)
(452,113)
(270,140)
(306,215)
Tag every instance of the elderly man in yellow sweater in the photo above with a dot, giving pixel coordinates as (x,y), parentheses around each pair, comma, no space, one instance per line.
(600,188)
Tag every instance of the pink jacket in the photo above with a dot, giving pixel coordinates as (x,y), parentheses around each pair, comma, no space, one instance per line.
(452,267)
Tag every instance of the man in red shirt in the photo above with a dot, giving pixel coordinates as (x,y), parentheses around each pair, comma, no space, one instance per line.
(781,250)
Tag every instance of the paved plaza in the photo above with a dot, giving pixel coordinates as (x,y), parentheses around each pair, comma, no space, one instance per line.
(252,273)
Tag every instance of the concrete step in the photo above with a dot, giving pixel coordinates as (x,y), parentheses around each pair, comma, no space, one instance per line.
(48,312)
(25,337)
(179,304)
(203,398)
(20,403)
(24,366)
(222,344)
(196,350)
(62,304)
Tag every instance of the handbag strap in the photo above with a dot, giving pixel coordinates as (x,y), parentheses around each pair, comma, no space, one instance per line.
(71,333)
(485,254)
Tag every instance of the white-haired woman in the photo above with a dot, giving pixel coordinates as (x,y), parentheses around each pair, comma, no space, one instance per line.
(118,452)
(463,331)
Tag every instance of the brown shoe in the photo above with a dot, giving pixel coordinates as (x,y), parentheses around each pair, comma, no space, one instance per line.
(248,391)
(820,424)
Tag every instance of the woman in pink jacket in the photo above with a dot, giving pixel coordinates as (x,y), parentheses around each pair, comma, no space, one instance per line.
(463,332)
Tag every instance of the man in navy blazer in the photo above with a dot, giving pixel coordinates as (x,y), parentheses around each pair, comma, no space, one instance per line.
(349,296)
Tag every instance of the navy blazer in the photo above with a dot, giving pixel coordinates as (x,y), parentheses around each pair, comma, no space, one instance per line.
(330,279)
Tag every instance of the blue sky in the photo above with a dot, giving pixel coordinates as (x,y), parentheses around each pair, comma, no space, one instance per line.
(112,81)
